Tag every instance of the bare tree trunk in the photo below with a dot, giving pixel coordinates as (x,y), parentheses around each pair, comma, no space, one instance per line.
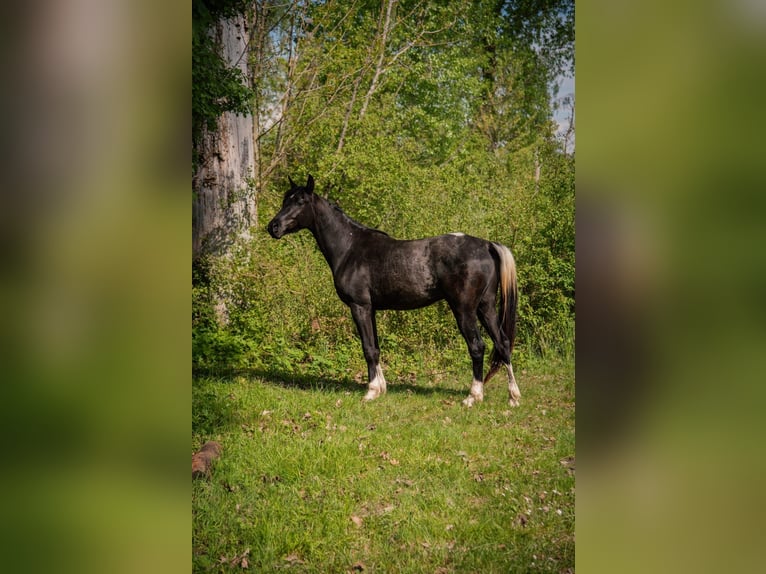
(385,28)
(347,117)
(287,98)
(258,48)
(224,205)
(538,167)
(570,133)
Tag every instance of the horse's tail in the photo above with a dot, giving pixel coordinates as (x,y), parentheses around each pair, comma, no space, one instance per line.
(509,301)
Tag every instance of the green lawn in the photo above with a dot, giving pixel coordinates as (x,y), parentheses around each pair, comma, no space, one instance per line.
(311,479)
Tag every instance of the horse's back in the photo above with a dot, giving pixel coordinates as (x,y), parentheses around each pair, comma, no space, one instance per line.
(460,248)
(408,274)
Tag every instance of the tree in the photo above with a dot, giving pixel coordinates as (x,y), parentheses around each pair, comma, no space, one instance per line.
(222,127)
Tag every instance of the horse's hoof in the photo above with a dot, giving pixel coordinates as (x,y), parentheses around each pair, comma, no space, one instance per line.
(469,401)
(513,402)
(371,395)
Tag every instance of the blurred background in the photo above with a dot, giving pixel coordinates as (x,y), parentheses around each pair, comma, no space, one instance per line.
(670,270)
(95,301)
(94,282)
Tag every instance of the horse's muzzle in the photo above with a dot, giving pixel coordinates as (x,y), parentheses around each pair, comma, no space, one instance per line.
(274,229)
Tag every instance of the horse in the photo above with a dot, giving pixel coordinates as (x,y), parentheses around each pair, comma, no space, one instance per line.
(373,271)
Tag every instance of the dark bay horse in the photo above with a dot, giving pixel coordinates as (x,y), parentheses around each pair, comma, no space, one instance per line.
(373,271)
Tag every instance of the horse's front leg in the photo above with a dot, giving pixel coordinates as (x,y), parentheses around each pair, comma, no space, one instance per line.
(364,317)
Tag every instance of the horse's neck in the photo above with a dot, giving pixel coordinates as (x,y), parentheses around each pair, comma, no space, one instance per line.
(333,231)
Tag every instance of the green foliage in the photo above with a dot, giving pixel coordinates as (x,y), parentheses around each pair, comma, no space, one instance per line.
(546,259)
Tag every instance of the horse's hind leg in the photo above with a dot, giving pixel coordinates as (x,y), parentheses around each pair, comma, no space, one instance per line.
(364,317)
(466,321)
(489,319)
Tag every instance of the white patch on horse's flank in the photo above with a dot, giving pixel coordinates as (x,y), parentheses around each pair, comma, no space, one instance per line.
(377,385)
(457,233)
(477,393)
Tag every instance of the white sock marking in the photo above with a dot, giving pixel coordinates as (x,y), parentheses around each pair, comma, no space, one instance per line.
(377,385)
(477,393)
(513,389)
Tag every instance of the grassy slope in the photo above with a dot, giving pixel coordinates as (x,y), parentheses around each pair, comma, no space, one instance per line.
(314,480)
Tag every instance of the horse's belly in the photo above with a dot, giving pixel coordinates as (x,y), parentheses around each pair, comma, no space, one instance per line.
(401,299)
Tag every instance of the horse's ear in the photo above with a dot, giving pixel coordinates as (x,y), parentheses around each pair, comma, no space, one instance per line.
(310,184)
(292,183)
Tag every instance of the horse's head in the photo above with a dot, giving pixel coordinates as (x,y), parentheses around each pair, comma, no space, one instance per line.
(296,213)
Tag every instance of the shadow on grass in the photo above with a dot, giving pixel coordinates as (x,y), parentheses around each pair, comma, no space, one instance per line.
(215,410)
(322,383)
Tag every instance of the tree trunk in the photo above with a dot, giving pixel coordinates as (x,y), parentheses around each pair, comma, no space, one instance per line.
(224,202)
(384,27)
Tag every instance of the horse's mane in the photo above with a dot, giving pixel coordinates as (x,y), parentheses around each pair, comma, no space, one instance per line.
(353,222)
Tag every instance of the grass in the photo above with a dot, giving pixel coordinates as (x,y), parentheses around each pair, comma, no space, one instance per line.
(311,479)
